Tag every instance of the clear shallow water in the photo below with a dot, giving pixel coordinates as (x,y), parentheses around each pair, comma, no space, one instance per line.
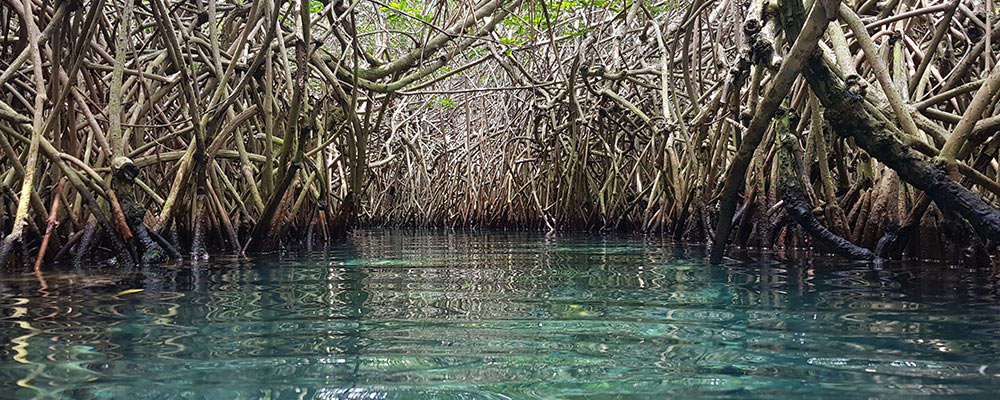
(497,316)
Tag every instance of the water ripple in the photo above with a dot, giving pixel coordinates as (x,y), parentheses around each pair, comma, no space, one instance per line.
(498,316)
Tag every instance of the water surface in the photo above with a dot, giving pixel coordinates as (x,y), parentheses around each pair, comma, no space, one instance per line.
(498,316)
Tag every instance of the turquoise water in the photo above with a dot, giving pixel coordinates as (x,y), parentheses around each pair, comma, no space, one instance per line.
(497,316)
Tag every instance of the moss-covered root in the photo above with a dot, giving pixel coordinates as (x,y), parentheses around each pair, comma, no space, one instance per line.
(198,249)
(152,251)
(800,210)
(89,232)
(850,120)
(850,117)
(804,44)
(5,247)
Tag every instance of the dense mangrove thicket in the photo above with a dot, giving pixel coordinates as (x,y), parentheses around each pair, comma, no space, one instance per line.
(151,129)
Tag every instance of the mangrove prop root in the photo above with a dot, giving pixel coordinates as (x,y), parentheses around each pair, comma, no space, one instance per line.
(851,118)
(822,13)
(800,210)
(490,114)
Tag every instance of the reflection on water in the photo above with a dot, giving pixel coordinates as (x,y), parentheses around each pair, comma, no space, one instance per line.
(498,316)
